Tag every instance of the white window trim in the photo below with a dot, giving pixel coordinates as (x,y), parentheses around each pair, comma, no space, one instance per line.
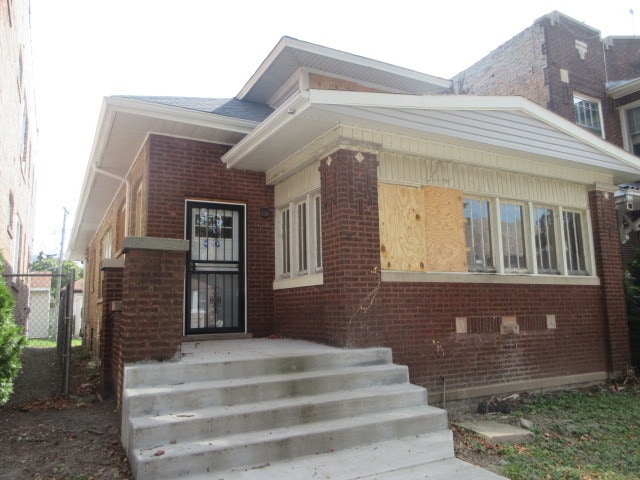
(593,100)
(626,136)
(297,276)
(532,264)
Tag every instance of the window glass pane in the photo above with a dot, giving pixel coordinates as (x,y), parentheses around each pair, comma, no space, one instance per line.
(587,114)
(633,124)
(545,237)
(513,240)
(318,233)
(478,235)
(302,237)
(573,243)
(286,239)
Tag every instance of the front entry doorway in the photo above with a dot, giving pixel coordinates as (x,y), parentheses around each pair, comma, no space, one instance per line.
(215,293)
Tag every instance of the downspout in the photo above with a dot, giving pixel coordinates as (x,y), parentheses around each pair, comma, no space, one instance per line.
(127,200)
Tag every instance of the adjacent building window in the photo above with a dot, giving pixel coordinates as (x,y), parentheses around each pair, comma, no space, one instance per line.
(633,129)
(587,113)
(298,239)
(514,251)
(477,231)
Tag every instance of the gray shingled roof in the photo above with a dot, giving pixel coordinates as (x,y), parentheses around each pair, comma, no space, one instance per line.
(228,107)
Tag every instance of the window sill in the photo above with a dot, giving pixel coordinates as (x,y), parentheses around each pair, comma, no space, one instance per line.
(508,278)
(297,282)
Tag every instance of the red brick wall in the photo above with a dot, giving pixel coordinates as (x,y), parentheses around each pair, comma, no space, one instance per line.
(517,67)
(351,248)
(182,169)
(150,326)
(623,58)
(111,291)
(609,265)
(423,334)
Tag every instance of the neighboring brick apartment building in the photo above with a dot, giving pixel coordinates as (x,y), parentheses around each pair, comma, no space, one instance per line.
(18,135)
(567,67)
(350,202)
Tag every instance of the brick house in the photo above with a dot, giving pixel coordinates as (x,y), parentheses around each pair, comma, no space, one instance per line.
(354,203)
(567,67)
(18,144)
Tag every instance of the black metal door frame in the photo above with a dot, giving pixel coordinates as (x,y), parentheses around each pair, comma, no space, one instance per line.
(215,293)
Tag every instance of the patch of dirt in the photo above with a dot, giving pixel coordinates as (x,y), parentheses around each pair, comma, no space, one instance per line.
(48,437)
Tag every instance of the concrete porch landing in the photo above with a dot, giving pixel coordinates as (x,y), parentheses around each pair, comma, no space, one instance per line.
(263,409)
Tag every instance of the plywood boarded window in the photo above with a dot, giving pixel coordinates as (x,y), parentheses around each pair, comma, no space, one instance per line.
(421,229)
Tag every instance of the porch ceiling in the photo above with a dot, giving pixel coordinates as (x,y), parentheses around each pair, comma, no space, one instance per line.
(505,125)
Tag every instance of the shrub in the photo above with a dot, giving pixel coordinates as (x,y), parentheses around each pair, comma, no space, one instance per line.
(12,341)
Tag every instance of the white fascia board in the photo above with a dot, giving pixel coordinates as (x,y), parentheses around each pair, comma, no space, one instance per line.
(274,122)
(472,102)
(105,121)
(288,42)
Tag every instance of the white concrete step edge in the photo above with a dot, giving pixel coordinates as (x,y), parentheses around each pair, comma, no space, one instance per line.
(179,460)
(143,374)
(189,425)
(428,456)
(194,395)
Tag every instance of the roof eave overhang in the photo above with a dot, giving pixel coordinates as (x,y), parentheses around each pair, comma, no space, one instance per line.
(628,88)
(302,102)
(111,107)
(274,60)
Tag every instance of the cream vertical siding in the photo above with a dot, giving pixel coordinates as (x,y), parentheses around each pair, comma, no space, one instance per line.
(301,183)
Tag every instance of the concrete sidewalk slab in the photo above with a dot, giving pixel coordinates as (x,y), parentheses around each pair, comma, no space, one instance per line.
(498,433)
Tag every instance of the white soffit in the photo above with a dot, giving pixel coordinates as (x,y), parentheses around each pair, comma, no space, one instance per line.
(123,127)
(507,125)
(290,55)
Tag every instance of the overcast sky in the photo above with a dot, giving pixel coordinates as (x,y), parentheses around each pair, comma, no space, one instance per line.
(85,50)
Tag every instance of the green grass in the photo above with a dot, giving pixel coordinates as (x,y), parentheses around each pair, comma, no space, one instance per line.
(46,343)
(586,434)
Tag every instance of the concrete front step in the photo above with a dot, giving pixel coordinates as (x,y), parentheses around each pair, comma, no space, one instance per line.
(221,368)
(178,460)
(428,456)
(187,425)
(246,404)
(194,395)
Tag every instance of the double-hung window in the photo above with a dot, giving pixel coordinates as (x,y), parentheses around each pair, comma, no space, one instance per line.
(544,234)
(299,238)
(574,242)
(633,129)
(512,226)
(477,230)
(587,114)
(505,236)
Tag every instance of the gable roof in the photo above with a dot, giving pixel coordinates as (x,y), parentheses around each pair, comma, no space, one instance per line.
(290,55)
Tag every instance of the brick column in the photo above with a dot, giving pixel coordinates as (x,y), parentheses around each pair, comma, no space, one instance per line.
(610,271)
(351,248)
(151,323)
(112,270)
